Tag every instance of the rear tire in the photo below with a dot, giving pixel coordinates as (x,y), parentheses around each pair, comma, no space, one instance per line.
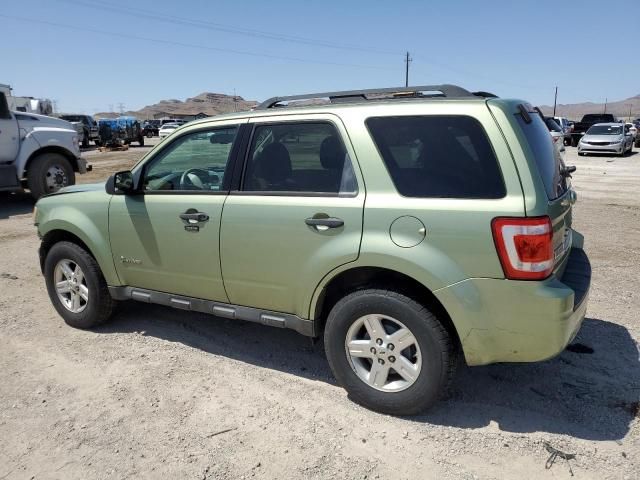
(99,305)
(574,142)
(141,140)
(48,173)
(432,352)
(85,140)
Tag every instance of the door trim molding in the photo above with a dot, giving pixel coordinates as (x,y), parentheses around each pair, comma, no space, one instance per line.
(218,309)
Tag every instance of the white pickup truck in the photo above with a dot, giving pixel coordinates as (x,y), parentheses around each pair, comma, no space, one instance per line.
(37,152)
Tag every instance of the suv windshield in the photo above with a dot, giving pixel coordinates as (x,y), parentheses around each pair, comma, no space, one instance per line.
(605,130)
(545,153)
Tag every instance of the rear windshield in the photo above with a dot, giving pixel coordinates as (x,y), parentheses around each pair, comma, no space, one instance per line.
(442,156)
(595,118)
(545,154)
(72,118)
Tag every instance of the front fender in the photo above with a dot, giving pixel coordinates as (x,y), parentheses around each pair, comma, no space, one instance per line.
(86,219)
(28,146)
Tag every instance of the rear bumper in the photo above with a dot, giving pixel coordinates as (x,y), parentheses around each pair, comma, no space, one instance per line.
(519,321)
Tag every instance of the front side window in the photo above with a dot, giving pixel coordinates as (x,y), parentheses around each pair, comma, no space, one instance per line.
(299,157)
(442,156)
(195,161)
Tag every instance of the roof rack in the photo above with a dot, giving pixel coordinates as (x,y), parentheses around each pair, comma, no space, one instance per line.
(423,91)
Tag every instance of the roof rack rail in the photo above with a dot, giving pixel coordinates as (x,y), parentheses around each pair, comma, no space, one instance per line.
(445,90)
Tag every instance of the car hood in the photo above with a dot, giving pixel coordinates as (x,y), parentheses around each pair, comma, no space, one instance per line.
(35,121)
(85,187)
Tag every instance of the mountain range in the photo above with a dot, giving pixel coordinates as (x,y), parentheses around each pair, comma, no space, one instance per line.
(211,104)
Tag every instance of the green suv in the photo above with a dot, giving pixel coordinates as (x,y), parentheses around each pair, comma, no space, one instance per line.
(410,227)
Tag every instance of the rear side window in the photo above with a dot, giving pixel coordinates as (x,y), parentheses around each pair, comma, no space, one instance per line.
(4,107)
(546,155)
(438,156)
(299,157)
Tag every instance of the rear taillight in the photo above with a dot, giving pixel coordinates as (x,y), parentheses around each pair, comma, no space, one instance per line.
(525,246)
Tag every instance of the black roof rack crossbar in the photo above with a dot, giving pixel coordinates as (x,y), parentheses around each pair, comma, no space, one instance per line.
(449,91)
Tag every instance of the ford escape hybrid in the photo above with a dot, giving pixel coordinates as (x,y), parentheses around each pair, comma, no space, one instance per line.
(407,226)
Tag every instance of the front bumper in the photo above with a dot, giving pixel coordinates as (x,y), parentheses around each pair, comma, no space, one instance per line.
(519,321)
(585,148)
(83,166)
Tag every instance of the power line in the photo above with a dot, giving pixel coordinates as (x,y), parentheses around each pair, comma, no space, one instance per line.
(191,45)
(138,13)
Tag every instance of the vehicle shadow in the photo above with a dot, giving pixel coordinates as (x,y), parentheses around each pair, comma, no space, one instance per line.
(586,395)
(15,203)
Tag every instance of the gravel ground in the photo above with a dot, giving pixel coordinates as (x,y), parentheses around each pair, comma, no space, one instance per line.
(165,393)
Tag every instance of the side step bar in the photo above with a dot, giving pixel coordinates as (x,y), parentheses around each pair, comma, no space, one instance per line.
(224,310)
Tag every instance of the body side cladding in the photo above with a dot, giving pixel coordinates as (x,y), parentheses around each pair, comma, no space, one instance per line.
(224,310)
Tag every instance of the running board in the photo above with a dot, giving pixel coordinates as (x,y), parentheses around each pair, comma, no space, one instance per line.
(224,310)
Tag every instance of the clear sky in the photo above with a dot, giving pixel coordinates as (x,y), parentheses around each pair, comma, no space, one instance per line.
(89,55)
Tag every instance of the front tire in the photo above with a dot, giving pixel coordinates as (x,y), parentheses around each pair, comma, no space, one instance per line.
(76,286)
(48,173)
(389,352)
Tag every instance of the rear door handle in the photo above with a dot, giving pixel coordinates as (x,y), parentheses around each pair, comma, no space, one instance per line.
(194,216)
(329,222)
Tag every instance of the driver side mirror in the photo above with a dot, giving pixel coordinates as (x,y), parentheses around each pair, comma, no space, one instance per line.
(120,183)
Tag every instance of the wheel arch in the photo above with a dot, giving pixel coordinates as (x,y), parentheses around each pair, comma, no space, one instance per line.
(56,236)
(360,278)
(52,149)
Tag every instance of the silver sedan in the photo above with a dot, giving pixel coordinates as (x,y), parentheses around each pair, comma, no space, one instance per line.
(606,138)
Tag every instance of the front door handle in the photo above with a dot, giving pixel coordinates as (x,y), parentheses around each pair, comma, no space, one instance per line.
(193,216)
(324,223)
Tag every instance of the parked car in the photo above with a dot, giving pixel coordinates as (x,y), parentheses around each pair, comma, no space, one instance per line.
(464,245)
(86,125)
(566,127)
(633,129)
(557,133)
(167,129)
(150,130)
(37,152)
(176,121)
(606,138)
(581,127)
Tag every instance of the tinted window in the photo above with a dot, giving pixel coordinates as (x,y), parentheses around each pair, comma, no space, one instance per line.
(438,156)
(195,161)
(545,154)
(299,157)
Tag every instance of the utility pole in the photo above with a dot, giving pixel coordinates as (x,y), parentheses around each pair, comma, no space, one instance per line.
(110,107)
(121,108)
(407,60)
(235,101)
(555,101)
(629,105)
(605,105)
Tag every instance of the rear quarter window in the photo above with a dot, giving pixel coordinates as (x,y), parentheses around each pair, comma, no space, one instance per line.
(438,156)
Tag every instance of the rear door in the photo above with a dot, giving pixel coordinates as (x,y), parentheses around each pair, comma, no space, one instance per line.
(295,215)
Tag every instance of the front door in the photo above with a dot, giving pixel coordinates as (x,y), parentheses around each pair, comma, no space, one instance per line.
(296,216)
(166,237)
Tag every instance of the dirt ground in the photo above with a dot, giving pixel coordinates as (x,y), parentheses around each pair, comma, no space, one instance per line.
(161,393)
